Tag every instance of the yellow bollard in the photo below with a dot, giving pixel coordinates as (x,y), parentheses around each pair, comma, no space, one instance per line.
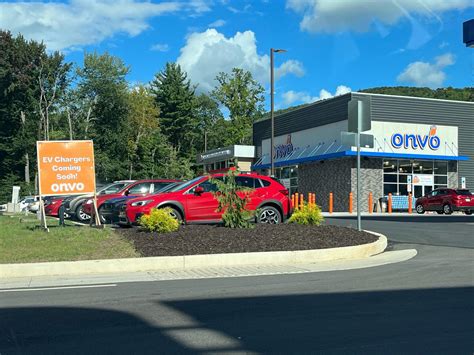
(330,202)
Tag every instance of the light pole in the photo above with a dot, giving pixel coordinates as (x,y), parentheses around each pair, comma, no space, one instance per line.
(272,94)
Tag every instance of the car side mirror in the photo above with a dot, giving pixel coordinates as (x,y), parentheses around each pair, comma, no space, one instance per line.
(198,190)
(127,193)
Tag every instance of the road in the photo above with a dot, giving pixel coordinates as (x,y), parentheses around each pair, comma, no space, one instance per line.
(423,305)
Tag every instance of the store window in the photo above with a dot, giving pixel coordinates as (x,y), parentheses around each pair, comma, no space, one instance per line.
(432,175)
(288,176)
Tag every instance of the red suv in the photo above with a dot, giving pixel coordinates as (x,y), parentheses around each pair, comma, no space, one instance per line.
(194,202)
(135,188)
(446,201)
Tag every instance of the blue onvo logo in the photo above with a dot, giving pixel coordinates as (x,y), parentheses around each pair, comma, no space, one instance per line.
(416,141)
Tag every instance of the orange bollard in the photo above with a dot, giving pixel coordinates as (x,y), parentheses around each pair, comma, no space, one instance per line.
(293,201)
(389,202)
(314,199)
(410,203)
(371,203)
(296,201)
(330,202)
(350,202)
(301,201)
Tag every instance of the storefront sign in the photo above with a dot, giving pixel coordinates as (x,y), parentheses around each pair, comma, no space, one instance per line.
(417,141)
(218,154)
(283,150)
(66,167)
(423,179)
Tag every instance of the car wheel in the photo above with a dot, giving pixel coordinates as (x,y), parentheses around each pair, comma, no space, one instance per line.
(439,212)
(103,220)
(81,216)
(468,212)
(447,209)
(420,209)
(175,214)
(269,215)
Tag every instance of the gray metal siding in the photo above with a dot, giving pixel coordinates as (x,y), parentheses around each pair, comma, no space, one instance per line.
(314,115)
(441,112)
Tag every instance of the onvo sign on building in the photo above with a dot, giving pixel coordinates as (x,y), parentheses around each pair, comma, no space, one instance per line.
(417,141)
(424,139)
(66,167)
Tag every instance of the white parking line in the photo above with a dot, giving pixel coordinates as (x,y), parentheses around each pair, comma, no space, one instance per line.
(55,288)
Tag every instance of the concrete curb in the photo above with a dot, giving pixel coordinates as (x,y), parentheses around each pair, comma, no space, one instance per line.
(65,268)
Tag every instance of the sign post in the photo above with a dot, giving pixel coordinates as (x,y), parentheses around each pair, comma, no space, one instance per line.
(65,168)
(359,120)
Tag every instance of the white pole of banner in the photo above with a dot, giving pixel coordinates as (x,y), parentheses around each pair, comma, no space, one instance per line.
(96,212)
(44,224)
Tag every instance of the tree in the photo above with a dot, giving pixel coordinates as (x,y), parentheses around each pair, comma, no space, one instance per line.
(142,121)
(175,98)
(243,97)
(103,89)
(28,76)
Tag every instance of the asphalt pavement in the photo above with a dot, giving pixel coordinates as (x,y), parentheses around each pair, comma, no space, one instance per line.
(422,305)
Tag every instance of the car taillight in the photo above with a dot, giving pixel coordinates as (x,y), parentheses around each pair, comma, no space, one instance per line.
(285,192)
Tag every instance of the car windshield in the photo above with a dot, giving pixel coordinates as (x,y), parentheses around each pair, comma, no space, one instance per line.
(185,185)
(113,188)
(169,187)
(463,192)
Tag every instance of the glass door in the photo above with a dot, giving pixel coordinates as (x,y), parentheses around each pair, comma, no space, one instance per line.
(422,190)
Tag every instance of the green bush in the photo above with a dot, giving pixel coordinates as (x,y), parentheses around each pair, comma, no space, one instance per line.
(233,200)
(159,220)
(308,215)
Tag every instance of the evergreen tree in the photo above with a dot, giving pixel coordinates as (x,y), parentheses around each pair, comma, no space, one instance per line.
(175,98)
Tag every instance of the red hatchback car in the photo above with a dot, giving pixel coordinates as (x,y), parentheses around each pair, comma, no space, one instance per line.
(136,188)
(193,201)
(446,201)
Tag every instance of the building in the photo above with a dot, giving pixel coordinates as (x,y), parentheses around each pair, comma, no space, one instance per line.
(221,159)
(419,145)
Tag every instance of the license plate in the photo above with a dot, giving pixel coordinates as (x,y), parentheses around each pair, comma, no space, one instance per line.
(122,214)
(468,200)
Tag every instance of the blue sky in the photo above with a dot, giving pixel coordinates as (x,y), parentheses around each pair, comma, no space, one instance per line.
(333,46)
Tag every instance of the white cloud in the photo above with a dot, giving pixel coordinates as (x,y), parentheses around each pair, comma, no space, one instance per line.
(427,74)
(291,97)
(290,67)
(83,22)
(217,23)
(207,53)
(160,47)
(359,15)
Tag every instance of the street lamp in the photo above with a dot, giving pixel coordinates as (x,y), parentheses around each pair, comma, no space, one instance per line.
(272,94)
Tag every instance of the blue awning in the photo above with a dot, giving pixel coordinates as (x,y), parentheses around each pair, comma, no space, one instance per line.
(294,158)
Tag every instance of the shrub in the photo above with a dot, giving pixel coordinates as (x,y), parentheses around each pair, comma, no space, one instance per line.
(310,214)
(233,200)
(159,220)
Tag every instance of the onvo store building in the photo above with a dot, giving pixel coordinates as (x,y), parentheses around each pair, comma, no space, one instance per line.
(419,145)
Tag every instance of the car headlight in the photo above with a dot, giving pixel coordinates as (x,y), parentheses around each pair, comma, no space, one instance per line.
(88,202)
(140,203)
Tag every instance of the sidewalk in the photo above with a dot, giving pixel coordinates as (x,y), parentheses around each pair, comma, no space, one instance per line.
(45,283)
(385,214)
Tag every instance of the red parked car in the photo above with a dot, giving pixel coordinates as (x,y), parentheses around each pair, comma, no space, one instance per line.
(135,188)
(194,202)
(51,205)
(446,201)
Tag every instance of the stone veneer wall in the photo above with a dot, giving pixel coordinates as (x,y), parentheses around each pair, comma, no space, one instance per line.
(453,179)
(371,173)
(324,177)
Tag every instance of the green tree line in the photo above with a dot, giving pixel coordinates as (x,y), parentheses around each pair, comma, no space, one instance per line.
(152,130)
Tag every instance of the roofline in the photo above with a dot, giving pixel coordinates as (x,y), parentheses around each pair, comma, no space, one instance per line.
(411,97)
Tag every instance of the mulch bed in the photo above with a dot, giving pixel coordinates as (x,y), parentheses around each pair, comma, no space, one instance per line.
(206,239)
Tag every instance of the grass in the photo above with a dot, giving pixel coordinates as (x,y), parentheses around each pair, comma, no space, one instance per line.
(22,241)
